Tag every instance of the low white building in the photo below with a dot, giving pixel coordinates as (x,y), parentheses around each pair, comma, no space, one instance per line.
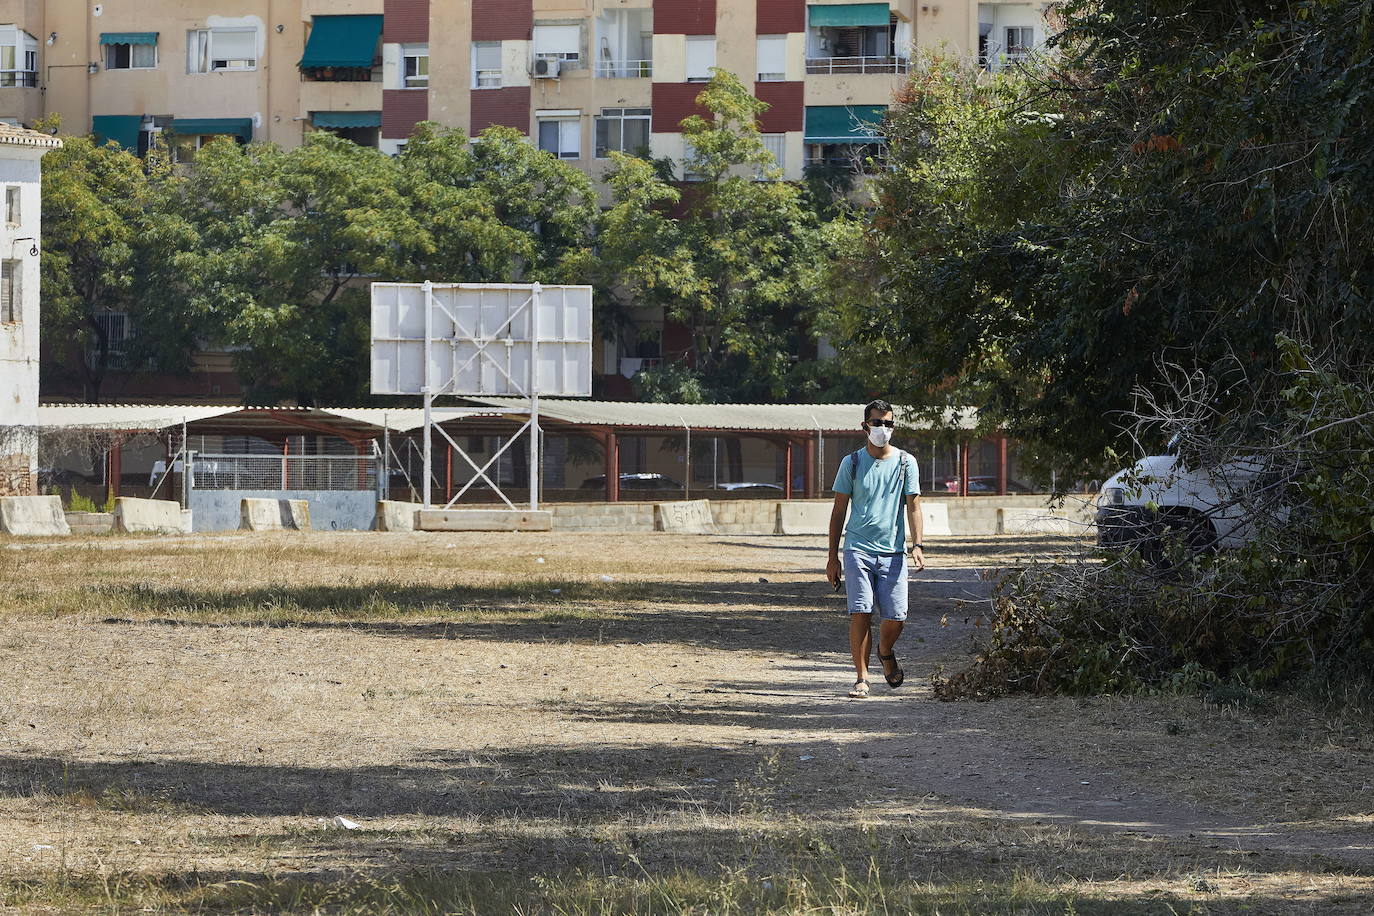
(20,205)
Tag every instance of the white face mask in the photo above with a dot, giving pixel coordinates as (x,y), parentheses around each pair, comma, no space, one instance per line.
(879,436)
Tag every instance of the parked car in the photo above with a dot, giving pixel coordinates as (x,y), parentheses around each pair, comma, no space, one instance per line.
(1159,496)
(984,485)
(634,482)
(747,485)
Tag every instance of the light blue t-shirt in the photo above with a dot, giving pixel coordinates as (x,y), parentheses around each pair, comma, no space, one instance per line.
(877,514)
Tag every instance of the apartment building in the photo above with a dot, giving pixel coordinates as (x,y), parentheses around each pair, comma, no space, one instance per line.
(581,78)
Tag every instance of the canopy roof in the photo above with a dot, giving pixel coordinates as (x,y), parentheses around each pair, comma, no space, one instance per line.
(348,422)
(337,119)
(721,417)
(848,15)
(342,41)
(844,123)
(128,38)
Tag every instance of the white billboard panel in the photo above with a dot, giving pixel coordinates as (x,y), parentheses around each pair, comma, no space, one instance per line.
(481,338)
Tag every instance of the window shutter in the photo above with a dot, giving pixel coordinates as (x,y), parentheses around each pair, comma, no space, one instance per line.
(237,45)
(701,57)
(773,56)
(557,39)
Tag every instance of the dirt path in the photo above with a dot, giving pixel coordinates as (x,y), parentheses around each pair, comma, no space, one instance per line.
(693,705)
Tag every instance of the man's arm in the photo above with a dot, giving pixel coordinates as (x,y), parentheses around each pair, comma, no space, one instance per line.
(837,514)
(916,524)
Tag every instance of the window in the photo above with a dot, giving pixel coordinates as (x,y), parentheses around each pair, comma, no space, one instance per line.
(415,66)
(11,306)
(12,212)
(690,160)
(209,50)
(486,65)
(701,57)
(772,54)
(777,145)
(130,57)
(18,58)
(622,130)
(117,337)
(1020,40)
(558,42)
(561,136)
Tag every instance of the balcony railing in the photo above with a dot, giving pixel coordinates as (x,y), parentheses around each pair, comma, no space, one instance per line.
(341,74)
(625,69)
(18,79)
(857,65)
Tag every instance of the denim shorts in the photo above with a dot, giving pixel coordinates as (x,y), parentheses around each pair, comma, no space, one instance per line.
(876,580)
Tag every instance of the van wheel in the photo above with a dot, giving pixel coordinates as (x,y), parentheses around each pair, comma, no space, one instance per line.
(1194,529)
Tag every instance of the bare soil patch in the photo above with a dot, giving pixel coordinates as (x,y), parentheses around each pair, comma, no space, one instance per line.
(643,723)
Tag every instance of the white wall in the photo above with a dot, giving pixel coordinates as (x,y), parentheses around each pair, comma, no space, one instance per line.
(19,340)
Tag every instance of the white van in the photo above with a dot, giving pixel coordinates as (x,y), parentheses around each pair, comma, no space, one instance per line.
(1159,496)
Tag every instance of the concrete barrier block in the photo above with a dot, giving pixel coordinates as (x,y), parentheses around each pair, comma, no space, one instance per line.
(396,516)
(803,518)
(483,520)
(90,522)
(684,517)
(150,516)
(257,514)
(935,518)
(33,516)
(1016,520)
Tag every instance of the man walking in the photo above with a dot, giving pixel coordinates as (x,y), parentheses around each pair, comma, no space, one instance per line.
(874,485)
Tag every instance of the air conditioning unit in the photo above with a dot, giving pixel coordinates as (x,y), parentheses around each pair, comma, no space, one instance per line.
(546,68)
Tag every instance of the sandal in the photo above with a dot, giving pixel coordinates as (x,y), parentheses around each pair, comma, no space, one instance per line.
(860,690)
(898,676)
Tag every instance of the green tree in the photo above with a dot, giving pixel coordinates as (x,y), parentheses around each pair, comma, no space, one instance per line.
(287,240)
(724,254)
(495,209)
(1178,183)
(105,241)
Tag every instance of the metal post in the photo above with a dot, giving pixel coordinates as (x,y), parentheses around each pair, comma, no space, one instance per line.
(1002,466)
(963,468)
(285,451)
(379,482)
(385,470)
(428,391)
(534,396)
(687,483)
(185,465)
(188,483)
(787,469)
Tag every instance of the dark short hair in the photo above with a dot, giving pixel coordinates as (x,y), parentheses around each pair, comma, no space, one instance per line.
(879,405)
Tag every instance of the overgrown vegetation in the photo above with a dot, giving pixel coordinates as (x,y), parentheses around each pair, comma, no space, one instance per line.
(1296,602)
(1175,180)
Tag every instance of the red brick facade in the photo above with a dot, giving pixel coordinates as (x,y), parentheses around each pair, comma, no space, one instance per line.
(778,17)
(684,17)
(672,102)
(787,109)
(402,109)
(405,21)
(508,107)
(501,20)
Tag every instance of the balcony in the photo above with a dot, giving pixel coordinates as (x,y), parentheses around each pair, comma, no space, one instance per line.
(624,69)
(18,79)
(848,65)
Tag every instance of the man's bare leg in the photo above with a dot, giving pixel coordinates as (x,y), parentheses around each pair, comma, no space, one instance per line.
(860,642)
(888,631)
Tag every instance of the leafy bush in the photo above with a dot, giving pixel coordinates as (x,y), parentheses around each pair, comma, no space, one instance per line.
(1296,602)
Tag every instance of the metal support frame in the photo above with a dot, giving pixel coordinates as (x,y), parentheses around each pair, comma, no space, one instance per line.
(530,389)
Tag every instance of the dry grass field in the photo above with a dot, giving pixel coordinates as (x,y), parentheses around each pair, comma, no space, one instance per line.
(533,723)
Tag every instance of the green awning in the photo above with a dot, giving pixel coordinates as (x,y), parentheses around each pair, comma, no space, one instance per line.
(342,41)
(237,127)
(346,118)
(122,129)
(128,38)
(850,14)
(844,123)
